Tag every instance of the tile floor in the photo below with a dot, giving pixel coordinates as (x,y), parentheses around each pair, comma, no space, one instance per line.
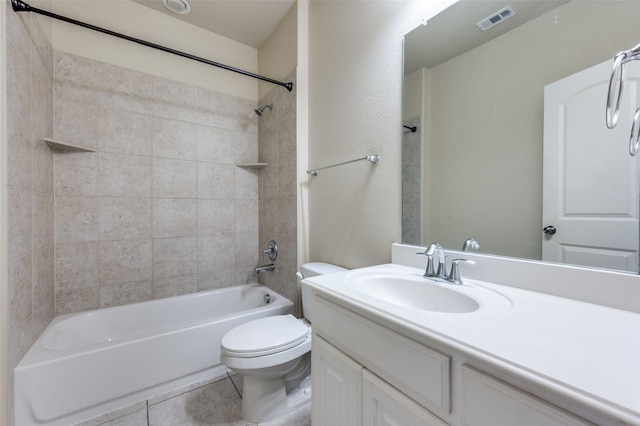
(215,402)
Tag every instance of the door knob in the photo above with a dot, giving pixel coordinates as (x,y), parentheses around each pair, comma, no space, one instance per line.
(549,230)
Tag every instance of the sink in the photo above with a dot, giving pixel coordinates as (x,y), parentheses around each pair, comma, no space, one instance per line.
(413,292)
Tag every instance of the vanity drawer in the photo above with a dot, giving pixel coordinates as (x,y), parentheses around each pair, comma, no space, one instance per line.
(421,373)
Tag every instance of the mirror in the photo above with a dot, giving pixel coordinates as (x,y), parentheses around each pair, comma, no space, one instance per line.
(475,166)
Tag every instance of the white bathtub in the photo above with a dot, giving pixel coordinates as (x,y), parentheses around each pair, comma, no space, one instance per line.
(90,363)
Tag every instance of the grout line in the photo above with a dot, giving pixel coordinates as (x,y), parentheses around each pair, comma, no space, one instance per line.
(234,385)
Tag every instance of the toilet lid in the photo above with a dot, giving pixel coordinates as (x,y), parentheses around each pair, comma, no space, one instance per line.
(264,336)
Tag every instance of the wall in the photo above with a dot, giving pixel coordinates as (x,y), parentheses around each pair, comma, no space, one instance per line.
(4,291)
(160,209)
(142,22)
(505,190)
(277,136)
(278,55)
(278,189)
(355,89)
(29,190)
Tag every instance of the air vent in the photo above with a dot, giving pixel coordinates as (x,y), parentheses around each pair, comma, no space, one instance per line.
(492,20)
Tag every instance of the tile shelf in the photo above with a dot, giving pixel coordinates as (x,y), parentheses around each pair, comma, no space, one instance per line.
(53,144)
(252,165)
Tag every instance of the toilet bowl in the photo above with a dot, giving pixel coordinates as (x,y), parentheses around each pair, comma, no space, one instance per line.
(273,355)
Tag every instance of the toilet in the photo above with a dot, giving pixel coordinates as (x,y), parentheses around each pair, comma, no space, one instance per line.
(274,356)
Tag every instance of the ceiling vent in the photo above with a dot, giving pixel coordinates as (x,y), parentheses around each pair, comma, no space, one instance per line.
(494,19)
(177,6)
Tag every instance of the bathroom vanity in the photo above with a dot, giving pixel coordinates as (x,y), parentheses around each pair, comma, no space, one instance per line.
(382,354)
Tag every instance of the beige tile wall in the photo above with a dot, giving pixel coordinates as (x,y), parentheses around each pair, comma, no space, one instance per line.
(30,184)
(278,187)
(160,208)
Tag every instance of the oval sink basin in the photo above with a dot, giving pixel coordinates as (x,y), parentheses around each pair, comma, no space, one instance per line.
(418,294)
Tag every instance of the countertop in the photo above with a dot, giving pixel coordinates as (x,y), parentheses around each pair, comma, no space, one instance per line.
(586,352)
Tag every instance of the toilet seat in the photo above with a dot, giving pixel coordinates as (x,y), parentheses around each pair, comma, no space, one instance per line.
(264,336)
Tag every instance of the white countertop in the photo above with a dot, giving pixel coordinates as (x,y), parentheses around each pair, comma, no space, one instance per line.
(586,352)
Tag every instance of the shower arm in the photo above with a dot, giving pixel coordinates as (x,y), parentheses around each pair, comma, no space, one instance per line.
(21,6)
(371,158)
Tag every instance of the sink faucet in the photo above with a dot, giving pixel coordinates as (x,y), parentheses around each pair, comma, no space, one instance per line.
(470,243)
(442,259)
(441,274)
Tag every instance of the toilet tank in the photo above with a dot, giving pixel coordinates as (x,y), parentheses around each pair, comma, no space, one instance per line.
(314,269)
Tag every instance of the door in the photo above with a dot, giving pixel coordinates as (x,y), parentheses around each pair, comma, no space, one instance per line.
(337,387)
(590,182)
(384,405)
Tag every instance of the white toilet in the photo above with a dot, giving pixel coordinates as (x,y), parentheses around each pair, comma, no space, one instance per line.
(274,356)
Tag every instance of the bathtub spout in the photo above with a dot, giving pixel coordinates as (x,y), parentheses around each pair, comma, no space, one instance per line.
(266,268)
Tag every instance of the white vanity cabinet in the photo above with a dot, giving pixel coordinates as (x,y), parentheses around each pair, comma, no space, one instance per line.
(337,386)
(345,393)
(487,401)
(367,374)
(373,375)
(382,404)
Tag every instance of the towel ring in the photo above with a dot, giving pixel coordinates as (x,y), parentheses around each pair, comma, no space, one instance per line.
(615,82)
(634,139)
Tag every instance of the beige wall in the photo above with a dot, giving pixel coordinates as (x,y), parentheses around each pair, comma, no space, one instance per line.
(355,91)
(277,138)
(278,55)
(4,291)
(138,21)
(413,95)
(489,147)
(29,187)
(278,202)
(160,208)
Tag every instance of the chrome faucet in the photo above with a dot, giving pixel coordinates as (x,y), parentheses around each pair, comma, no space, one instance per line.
(442,259)
(266,268)
(441,273)
(470,243)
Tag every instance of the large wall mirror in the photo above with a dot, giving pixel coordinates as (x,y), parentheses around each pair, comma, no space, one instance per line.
(510,133)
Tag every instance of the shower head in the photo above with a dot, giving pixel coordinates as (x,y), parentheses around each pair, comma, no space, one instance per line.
(261,109)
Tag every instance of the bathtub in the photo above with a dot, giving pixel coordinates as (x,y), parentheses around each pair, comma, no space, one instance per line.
(90,363)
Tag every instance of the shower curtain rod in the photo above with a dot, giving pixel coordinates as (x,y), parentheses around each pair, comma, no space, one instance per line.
(21,6)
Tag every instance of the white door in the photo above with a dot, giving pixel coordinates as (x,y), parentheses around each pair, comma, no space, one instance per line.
(337,387)
(384,405)
(590,183)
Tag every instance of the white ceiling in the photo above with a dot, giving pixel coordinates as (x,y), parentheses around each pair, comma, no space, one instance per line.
(249,22)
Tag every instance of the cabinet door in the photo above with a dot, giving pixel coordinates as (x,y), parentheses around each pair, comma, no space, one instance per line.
(384,405)
(337,387)
(487,401)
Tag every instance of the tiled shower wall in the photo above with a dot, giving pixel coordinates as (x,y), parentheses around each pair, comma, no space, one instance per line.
(278,187)
(30,184)
(160,208)
(412,182)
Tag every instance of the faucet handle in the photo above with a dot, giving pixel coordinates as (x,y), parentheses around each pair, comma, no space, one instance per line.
(454,276)
(430,271)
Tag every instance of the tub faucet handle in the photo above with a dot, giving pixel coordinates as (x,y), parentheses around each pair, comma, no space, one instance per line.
(271,250)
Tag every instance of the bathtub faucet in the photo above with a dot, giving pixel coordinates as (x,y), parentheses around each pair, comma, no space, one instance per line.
(265,268)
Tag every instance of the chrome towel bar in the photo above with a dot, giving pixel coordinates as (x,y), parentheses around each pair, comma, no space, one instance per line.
(371,158)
